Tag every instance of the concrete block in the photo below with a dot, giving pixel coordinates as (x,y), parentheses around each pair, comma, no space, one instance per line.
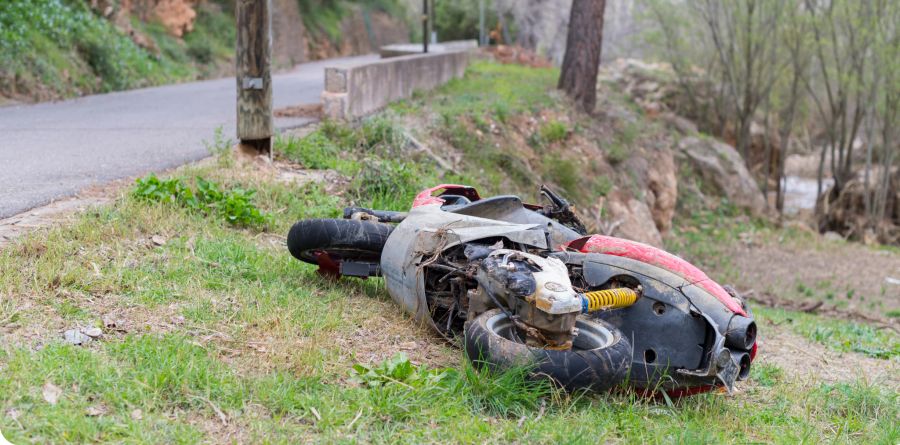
(335,106)
(336,80)
(355,91)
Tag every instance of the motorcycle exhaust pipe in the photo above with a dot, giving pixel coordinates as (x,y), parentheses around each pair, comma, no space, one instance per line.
(743,361)
(741,333)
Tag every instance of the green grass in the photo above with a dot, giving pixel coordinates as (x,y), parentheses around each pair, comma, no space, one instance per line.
(490,89)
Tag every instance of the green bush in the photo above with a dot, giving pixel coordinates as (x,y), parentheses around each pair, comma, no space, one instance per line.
(553,131)
(458,19)
(235,205)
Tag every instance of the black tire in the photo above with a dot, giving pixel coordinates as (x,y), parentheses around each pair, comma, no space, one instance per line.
(598,361)
(342,239)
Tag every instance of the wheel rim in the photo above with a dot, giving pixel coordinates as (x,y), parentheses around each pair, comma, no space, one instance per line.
(590,336)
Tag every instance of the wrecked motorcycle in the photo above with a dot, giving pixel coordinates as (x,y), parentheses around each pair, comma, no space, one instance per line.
(525,284)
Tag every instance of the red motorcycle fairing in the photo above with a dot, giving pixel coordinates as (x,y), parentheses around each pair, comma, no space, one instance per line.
(426,196)
(656,257)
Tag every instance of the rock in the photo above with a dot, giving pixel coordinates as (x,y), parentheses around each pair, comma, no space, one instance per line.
(832,236)
(112,323)
(92,332)
(137,414)
(682,125)
(663,185)
(720,165)
(158,240)
(634,221)
(51,393)
(76,337)
(654,173)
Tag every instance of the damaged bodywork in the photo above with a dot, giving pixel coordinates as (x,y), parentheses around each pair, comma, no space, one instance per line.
(524,284)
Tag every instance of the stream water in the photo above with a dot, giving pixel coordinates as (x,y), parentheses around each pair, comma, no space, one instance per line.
(800,193)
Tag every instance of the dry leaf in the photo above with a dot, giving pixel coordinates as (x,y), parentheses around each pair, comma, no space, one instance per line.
(51,393)
(96,410)
(137,414)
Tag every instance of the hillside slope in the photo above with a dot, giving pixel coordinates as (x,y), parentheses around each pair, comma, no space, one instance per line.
(52,49)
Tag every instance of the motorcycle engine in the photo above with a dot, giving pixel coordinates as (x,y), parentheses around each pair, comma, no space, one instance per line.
(536,291)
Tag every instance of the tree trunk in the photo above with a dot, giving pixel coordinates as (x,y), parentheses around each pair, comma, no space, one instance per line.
(578,77)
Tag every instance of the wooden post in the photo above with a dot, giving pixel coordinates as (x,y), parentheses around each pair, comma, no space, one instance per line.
(425,32)
(254,75)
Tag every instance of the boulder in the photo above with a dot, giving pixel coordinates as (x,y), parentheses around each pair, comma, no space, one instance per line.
(654,172)
(633,220)
(720,165)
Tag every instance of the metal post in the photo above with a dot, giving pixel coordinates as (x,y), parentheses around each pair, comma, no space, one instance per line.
(481,36)
(425,36)
(254,74)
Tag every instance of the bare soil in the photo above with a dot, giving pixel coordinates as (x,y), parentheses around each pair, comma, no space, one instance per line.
(811,362)
(848,277)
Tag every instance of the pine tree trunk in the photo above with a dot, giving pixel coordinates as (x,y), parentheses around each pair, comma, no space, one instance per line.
(578,77)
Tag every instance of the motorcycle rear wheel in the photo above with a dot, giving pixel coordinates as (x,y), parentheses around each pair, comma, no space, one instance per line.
(600,358)
(340,239)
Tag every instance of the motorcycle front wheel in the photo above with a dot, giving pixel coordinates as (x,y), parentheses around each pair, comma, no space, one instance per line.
(340,239)
(600,358)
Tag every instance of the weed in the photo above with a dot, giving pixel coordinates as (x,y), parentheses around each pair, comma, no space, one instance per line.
(549,133)
(220,147)
(602,185)
(617,152)
(766,374)
(316,151)
(235,205)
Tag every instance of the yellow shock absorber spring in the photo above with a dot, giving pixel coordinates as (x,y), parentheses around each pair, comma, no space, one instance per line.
(610,298)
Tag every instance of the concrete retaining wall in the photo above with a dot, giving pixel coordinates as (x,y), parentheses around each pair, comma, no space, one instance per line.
(355,91)
(408,49)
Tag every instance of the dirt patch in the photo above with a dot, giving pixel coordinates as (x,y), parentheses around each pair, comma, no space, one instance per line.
(518,55)
(814,363)
(385,331)
(852,277)
(306,110)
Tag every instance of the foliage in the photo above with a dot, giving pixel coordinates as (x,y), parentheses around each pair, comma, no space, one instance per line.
(235,205)
(325,16)
(54,48)
(823,68)
(397,369)
(553,131)
(458,20)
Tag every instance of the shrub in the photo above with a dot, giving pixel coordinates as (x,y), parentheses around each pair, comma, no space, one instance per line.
(553,131)
(235,205)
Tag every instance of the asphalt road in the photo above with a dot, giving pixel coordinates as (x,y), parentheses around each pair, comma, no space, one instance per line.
(53,150)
